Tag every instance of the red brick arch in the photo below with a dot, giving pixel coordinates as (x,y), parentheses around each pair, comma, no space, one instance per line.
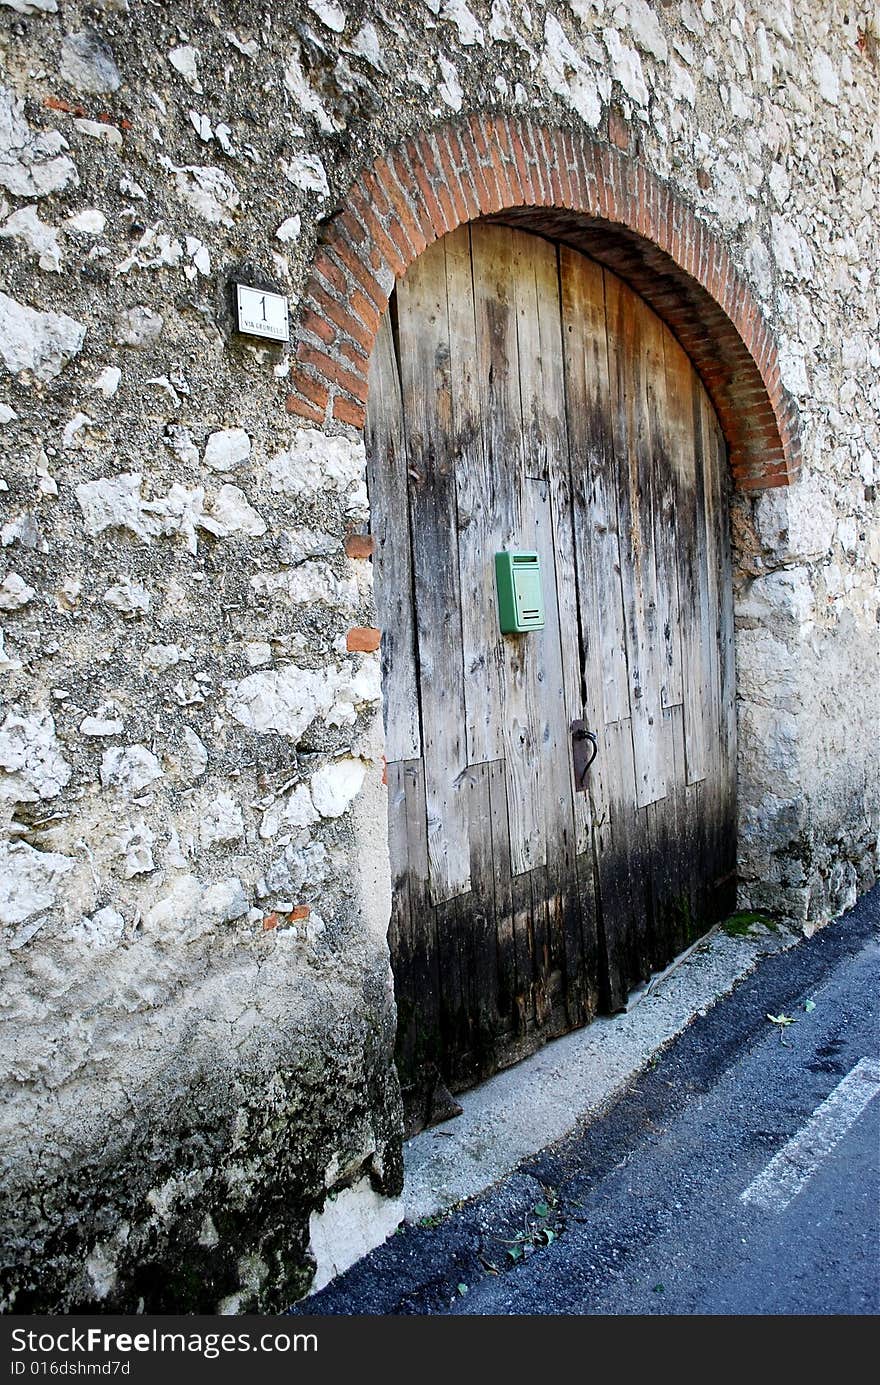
(564,184)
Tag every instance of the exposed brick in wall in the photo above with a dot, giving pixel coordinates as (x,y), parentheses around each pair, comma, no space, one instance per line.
(591,195)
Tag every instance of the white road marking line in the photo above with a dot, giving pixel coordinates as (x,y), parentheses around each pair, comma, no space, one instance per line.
(798,1160)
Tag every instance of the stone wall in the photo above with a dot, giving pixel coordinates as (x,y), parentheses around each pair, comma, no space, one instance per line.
(193,886)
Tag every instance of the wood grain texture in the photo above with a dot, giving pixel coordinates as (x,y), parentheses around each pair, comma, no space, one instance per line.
(427,406)
(392,557)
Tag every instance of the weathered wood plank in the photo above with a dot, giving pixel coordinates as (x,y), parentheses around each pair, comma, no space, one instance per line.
(541,347)
(424,369)
(480,522)
(504,913)
(481,963)
(494,250)
(392,564)
(594,489)
(687,460)
(633,343)
(723,809)
(418,989)
(555,762)
(664,440)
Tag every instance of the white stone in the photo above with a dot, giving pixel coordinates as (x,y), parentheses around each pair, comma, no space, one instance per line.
(138,327)
(129,188)
(46,483)
(179,512)
(257,653)
(112,504)
(221,822)
(102,930)
(306,171)
(826,78)
(797,523)
(502,28)
(250,49)
(8,664)
(224,901)
(285,700)
(72,427)
(315,462)
(307,584)
(779,183)
(329,13)
(159,657)
(108,720)
(88,64)
(134,843)
(198,754)
(626,67)
(289,812)
(450,89)
(32,767)
(290,229)
(184,60)
(31,164)
(32,6)
(29,880)
(101,131)
(647,30)
(42,240)
(779,597)
(128,597)
(335,786)
(301,90)
(790,248)
(296,865)
(202,126)
(154,250)
(209,191)
(174,914)
(7,415)
(566,74)
(88,222)
(227,449)
(470,30)
(15,593)
(129,769)
(366,45)
(681,84)
(107,381)
(232,514)
(38,343)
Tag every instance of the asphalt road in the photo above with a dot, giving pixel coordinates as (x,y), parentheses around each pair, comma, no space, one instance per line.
(642,1211)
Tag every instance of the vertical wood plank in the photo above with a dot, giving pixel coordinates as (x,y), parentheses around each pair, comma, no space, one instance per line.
(664,440)
(687,459)
(632,345)
(504,912)
(392,560)
(594,489)
(556,767)
(495,254)
(480,526)
(424,369)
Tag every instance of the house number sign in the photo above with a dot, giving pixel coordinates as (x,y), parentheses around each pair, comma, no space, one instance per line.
(262,314)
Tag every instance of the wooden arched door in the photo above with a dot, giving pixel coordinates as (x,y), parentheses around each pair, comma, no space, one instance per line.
(522,397)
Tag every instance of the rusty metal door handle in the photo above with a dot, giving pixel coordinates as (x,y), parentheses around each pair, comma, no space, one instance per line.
(580,739)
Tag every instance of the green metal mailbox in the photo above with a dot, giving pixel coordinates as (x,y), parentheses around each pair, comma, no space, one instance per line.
(520,597)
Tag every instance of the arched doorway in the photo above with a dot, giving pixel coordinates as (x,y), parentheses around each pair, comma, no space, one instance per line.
(524,400)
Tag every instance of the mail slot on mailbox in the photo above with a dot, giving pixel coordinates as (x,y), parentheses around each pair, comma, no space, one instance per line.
(520,598)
